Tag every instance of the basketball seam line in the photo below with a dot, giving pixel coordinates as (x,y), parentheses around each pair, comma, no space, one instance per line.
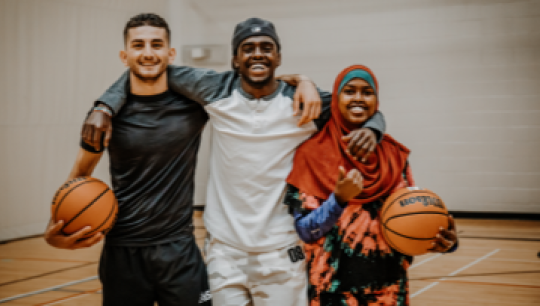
(414,213)
(84,209)
(65,195)
(408,192)
(405,236)
(108,217)
(393,246)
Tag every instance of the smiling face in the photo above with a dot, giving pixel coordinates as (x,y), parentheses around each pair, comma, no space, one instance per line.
(147,52)
(256,60)
(357,102)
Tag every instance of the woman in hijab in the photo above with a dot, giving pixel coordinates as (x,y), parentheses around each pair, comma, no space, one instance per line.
(335,201)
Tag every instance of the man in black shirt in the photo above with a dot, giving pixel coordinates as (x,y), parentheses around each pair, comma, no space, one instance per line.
(150,255)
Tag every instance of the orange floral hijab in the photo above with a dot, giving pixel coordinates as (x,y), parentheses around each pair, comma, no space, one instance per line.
(315,169)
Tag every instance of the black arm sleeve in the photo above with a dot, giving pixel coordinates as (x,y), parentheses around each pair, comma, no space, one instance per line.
(91,149)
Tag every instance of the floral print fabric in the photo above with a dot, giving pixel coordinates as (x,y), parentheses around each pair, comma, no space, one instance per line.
(352,264)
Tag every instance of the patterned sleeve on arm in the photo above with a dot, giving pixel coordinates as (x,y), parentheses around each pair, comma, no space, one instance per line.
(293,201)
(312,219)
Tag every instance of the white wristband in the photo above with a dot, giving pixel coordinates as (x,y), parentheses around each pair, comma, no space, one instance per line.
(103,110)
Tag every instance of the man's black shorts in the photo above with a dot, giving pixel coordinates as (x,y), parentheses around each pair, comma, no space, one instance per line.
(169,274)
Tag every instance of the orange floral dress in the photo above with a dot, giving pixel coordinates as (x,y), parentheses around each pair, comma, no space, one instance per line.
(352,264)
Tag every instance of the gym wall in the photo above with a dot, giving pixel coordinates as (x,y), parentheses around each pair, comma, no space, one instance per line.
(57,57)
(458,85)
(459,82)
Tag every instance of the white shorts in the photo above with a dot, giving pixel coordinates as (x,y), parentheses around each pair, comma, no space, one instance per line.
(239,278)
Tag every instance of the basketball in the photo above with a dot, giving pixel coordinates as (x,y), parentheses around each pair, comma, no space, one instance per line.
(85,201)
(411,218)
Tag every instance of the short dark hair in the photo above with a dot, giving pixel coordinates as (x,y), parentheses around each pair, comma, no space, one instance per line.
(147,19)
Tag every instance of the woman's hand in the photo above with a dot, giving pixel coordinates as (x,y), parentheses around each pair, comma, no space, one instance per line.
(348,186)
(446,238)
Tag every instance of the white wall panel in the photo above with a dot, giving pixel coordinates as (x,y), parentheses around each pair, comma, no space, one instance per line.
(57,57)
(189,26)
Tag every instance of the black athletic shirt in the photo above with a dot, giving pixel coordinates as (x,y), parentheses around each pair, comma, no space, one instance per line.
(153,152)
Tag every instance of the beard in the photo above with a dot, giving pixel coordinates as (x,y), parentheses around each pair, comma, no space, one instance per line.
(149,78)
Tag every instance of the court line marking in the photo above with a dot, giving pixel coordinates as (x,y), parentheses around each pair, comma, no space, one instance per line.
(477,274)
(424,289)
(491,284)
(44,259)
(46,274)
(70,297)
(454,273)
(95,277)
(425,260)
(519,260)
(501,238)
(15,297)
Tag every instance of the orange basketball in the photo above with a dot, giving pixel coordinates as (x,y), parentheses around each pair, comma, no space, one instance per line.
(410,219)
(85,201)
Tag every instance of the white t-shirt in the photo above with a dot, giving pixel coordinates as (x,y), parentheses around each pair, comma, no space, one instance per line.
(253,145)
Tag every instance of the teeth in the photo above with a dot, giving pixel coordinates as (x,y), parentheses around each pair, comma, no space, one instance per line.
(357,108)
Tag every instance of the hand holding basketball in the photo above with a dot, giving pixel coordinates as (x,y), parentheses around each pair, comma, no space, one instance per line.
(446,238)
(411,220)
(55,237)
(348,185)
(83,210)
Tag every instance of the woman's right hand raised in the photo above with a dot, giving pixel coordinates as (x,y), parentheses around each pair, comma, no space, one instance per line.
(348,185)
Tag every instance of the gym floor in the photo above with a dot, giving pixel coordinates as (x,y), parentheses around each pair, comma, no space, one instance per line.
(497,264)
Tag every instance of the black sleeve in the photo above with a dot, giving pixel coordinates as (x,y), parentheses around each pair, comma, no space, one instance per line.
(91,149)
(200,85)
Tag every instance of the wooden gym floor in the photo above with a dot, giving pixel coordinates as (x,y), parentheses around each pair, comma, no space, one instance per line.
(496,264)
